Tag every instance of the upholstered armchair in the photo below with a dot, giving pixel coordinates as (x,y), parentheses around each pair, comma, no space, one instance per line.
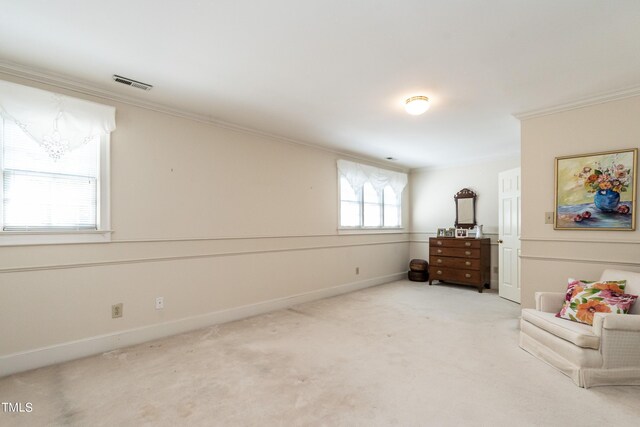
(607,353)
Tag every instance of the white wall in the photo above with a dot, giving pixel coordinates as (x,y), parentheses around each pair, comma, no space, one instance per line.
(221,223)
(551,256)
(433,205)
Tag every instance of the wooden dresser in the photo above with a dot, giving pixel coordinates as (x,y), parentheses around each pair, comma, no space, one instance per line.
(461,261)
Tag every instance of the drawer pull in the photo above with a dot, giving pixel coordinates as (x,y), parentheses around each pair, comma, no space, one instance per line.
(439,251)
(467,263)
(467,275)
(439,243)
(467,243)
(439,272)
(467,252)
(439,261)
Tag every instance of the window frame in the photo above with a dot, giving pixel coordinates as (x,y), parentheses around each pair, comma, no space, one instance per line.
(46,237)
(362,227)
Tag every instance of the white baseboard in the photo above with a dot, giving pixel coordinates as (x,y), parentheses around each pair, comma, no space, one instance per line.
(37,358)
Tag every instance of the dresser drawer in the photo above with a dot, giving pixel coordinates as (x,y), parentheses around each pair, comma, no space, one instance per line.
(470,264)
(455,243)
(455,252)
(454,275)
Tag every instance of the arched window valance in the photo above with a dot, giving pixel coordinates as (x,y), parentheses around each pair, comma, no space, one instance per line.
(358,174)
(57,122)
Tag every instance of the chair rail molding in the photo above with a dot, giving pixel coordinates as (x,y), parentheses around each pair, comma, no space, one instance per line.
(581,260)
(568,240)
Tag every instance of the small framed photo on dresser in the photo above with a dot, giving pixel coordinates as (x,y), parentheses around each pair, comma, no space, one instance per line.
(442,232)
(462,233)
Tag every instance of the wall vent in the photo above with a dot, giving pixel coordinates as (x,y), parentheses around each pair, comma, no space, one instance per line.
(131,82)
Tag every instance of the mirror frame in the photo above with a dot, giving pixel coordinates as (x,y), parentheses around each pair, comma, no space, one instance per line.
(465,193)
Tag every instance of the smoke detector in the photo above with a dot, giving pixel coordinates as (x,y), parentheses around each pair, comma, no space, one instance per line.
(130,82)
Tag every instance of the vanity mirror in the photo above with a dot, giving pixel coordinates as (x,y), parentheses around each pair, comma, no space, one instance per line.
(465,208)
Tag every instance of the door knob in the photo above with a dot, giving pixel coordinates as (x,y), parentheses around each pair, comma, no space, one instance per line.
(500,241)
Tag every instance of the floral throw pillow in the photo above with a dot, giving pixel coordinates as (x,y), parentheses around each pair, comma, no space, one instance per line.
(575,286)
(584,299)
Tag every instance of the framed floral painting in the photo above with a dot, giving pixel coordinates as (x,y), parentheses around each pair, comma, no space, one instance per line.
(596,191)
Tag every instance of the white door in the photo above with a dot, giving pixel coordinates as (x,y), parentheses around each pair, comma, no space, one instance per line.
(509,234)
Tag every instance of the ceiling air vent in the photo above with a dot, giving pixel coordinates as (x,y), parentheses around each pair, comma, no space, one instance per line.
(132,83)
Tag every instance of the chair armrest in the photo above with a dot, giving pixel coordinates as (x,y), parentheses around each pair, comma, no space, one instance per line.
(615,322)
(619,339)
(549,302)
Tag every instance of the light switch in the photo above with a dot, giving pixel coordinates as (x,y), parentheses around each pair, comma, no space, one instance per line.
(548,217)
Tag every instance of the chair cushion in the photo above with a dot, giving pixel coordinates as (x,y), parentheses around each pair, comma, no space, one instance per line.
(576,333)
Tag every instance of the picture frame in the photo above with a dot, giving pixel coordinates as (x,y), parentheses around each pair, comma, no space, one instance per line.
(596,191)
(462,233)
(450,232)
(441,232)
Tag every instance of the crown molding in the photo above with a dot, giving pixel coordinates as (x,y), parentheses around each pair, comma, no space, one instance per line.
(580,103)
(515,157)
(69,83)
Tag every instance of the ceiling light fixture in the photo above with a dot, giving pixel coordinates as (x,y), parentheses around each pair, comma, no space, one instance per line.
(416,105)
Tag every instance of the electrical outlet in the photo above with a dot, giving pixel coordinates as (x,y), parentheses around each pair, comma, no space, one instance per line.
(159,303)
(116,310)
(357,270)
(548,217)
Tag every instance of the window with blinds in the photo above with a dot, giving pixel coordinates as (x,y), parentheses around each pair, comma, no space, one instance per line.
(43,194)
(370,197)
(367,208)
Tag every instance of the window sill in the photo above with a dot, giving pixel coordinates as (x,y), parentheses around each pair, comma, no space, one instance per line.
(370,230)
(19,238)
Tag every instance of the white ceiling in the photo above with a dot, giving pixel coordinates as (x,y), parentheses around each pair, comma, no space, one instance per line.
(335,72)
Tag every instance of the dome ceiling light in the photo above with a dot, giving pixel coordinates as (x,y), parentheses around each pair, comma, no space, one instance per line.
(416,105)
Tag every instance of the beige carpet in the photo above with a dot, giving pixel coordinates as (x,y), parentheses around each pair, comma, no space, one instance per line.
(402,354)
